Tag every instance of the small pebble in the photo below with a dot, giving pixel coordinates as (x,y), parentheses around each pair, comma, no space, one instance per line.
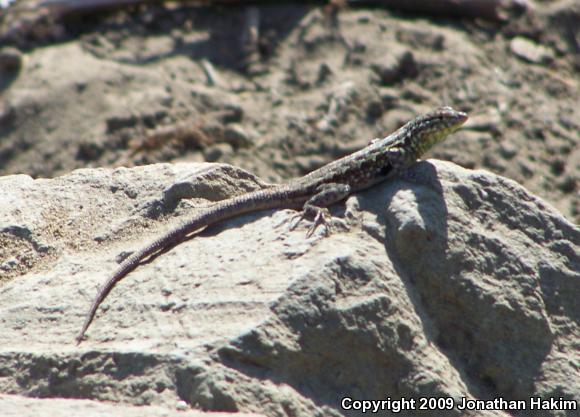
(530,51)
(10,60)
(181,406)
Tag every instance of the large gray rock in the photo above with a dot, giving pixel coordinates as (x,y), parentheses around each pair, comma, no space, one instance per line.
(454,284)
(17,406)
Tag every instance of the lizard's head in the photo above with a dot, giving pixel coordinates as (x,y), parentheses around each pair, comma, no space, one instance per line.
(433,127)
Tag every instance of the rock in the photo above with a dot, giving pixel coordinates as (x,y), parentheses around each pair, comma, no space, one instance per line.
(10,60)
(530,51)
(238,137)
(459,284)
(392,68)
(17,406)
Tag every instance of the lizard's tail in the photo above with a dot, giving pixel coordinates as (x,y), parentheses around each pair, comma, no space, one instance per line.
(254,201)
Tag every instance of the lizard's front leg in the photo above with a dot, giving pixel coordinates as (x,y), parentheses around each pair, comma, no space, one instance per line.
(316,207)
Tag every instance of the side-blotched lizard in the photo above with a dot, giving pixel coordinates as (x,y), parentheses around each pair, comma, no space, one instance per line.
(314,192)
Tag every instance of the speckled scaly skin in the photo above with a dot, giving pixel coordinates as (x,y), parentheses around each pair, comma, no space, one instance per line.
(314,192)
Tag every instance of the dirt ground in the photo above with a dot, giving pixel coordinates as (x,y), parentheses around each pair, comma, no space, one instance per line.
(181,83)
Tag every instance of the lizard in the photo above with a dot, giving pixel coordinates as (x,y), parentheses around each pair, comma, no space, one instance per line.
(313,192)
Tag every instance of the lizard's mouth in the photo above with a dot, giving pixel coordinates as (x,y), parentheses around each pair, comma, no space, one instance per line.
(454,122)
(461,117)
(451,118)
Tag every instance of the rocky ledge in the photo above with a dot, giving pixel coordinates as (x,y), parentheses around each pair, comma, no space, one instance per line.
(457,284)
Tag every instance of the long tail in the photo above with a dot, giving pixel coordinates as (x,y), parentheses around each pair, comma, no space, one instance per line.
(254,201)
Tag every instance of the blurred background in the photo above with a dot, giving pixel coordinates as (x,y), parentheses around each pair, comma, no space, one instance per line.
(281,88)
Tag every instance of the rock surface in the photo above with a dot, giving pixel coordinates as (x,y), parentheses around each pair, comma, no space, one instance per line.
(16,406)
(456,284)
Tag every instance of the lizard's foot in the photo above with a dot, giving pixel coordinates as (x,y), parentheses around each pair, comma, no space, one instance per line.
(319,216)
(323,218)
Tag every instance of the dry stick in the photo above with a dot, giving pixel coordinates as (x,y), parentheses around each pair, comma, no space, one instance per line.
(495,10)
(484,9)
(249,41)
(55,10)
